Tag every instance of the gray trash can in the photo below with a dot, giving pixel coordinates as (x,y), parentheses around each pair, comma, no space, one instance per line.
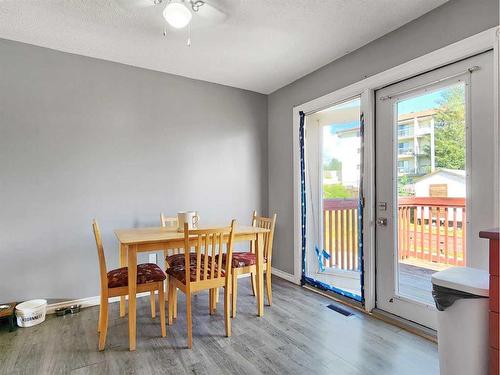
(461,296)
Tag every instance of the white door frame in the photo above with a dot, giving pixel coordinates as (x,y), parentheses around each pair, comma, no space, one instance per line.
(484,41)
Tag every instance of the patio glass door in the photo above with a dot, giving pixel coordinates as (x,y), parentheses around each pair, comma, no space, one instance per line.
(434,186)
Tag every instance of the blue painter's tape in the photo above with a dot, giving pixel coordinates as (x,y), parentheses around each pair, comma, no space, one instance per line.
(326,255)
(361,205)
(321,266)
(302,194)
(322,255)
(320,285)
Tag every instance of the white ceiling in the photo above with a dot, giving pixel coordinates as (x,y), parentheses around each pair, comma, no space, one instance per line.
(261,46)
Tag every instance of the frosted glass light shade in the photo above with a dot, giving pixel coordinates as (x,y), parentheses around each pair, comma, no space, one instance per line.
(177,15)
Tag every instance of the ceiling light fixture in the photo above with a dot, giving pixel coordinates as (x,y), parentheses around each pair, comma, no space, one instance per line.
(177,15)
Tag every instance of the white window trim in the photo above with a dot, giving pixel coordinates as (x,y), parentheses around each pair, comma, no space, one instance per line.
(482,42)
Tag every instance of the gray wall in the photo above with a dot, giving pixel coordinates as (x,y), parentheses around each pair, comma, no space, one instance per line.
(449,23)
(83,138)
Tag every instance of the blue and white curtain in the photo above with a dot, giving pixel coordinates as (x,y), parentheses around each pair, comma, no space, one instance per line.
(314,257)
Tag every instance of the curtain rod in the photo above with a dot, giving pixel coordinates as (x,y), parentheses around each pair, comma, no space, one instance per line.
(470,70)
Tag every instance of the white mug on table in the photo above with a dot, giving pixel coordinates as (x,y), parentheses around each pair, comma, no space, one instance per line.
(190,217)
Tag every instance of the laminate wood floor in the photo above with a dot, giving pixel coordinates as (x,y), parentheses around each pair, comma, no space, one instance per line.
(297,335)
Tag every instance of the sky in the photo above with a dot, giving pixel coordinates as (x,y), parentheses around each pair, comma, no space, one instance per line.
(340,127)
(420,103)
(415,104)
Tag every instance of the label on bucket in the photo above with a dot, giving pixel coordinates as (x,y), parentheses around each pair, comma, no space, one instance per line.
(26,319)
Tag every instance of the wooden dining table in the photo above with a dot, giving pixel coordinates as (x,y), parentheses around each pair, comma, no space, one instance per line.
(143,240)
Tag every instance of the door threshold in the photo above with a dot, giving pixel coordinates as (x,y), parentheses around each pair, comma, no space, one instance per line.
(407,325)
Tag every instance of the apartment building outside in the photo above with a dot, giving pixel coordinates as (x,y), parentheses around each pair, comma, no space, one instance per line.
(416,149)
(416,143)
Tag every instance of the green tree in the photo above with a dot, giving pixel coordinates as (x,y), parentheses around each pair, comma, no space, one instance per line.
(333,165)
(404,181)
(449,135)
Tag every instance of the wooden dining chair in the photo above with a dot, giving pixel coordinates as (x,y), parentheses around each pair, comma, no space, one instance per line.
(204,271)
(168,222)
(245,262)
(114,283)
(171,256)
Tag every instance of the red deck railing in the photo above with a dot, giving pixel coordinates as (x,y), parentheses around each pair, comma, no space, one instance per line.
(340,239)
(430,229)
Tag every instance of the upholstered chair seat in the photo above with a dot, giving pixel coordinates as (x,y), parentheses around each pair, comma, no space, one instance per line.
(146,273)
(242,259)
(179,272)
(179,259)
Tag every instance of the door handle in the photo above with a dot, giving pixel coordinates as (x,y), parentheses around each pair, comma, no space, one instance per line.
(382,221)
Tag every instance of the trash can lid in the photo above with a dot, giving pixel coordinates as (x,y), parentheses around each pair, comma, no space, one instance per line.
(465,279)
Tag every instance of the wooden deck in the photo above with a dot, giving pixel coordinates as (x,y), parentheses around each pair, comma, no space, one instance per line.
(415,282)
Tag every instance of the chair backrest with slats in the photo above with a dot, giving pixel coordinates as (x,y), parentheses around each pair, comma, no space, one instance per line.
(209,245)
(266,223)
(100,253)
(170,222)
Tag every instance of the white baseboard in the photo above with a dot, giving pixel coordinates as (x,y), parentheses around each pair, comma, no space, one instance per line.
(285,275)
(86,302)
(95,301)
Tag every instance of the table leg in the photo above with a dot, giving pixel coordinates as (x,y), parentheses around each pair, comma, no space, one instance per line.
(12,323)
(259,252)
(123,263)
(132,295)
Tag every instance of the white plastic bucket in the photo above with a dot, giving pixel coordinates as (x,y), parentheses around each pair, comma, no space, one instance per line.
(31,313)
